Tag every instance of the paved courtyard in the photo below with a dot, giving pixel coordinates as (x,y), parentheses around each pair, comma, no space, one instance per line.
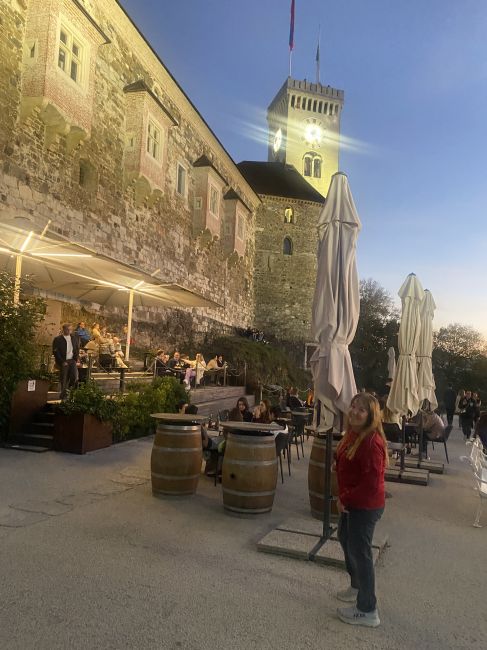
(91,560)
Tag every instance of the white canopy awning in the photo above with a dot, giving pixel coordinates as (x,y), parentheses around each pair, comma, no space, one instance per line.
(56,265)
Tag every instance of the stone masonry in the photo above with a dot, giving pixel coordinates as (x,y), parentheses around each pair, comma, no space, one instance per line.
(83,98)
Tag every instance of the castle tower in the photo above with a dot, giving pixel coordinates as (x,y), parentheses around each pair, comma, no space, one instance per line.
(304,130)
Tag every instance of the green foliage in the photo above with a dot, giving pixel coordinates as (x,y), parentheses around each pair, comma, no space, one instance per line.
(267,364)
(18,355)
(134,408)
(89,399)
(376,333)
(459,358)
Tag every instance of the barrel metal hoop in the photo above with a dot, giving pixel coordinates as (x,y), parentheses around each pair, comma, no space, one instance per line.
(258,463)
(319,495)
(176,449)
(315,463)
(250,495)
(185,431)
(169,477)
(247,511)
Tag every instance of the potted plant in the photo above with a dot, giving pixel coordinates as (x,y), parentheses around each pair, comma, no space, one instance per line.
(84,421)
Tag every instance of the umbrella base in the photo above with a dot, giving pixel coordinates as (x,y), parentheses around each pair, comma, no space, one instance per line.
(433,466)
(411,476)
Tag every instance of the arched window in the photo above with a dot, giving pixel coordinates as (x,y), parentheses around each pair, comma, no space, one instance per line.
(288,215)
(287,246)
(307,164)
(312,163)
(317,167)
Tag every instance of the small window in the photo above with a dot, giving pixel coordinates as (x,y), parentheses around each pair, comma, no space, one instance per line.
(32,51)
(288,215)
(314,105)
(298,102)
(153,141)
(336,109)
(331,109)
(287,246)
(307,165)
(325,108)
(320,107)
(214,201)
(69,55)
(292,100)
(88,175)
(317,167)
(198,203)
(181,180)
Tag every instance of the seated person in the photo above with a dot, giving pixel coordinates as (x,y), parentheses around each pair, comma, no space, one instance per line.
(105,351)
(208,444)
(177,365)
(244,409)
(160,365)
(118,355)
(95,331)
(235,415)
(83,334)
(262,412)
(213,369)
(200,367)
(293,400)
(433,427)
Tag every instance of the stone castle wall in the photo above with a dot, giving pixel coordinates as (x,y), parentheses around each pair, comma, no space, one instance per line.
(53,166)
(284,284)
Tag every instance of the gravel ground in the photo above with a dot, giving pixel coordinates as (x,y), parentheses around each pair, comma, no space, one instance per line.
(91,560)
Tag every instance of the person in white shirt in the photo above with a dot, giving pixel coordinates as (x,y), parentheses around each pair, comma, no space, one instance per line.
(65,349)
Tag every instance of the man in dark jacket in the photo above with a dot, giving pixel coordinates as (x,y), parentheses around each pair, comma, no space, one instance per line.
(450,399)
(468,408)
(65,349)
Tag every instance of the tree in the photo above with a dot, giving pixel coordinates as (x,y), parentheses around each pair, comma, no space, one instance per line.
(18,358)
(459,358)
(376,333)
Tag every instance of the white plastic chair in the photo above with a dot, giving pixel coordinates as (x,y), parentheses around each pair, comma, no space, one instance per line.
(480,475)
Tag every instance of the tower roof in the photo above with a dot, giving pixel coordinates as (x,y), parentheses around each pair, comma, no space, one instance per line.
(278,179)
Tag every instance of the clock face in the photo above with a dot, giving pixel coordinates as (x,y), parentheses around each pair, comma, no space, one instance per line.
(277,140)
(313,133)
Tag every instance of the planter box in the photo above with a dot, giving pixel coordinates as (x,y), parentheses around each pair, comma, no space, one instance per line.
(79,433)
(29,398)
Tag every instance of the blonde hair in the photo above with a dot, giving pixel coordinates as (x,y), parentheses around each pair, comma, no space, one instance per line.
(373,425)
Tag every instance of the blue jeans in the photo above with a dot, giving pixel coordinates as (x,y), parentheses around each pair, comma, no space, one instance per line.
(355,534)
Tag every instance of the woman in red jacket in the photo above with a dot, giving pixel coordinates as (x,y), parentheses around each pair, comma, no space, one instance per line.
(361,459)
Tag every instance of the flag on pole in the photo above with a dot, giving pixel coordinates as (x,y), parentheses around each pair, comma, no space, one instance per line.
(291,30)
(318,58)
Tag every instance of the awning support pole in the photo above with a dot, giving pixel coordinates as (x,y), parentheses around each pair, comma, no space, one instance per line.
(129,325)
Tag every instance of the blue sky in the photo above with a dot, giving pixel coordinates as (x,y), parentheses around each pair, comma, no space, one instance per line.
(415,80)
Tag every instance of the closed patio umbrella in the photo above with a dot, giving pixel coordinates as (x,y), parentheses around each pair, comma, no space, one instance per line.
(403,396)
(336,302)
(426,381)
(391,363)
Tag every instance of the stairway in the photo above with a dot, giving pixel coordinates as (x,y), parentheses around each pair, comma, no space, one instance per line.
(39,434)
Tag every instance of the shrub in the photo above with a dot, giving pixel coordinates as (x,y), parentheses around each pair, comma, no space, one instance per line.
(18,357)
(89,399)
(134,408)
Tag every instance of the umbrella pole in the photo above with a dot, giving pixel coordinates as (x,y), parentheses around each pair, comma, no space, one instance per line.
(403,442)
(129,325)
(328,530)
(420,439)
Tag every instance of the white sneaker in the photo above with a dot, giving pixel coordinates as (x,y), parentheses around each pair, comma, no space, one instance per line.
(348,595)
(354,616)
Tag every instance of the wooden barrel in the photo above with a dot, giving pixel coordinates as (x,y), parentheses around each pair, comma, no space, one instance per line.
(316,479)
(249,476)
(176,459)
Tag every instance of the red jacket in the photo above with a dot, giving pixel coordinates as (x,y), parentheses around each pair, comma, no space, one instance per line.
(361,480)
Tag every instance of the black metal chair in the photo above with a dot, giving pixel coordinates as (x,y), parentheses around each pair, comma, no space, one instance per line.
(443,439)
(296,431)
(282,446)
(224,415)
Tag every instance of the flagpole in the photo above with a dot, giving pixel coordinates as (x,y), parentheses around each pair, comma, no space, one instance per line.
(318,57)
(291,37)
(290,62)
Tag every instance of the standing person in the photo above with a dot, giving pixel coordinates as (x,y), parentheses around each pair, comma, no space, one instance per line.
(460,396)
(450,400)
(468,408)
(478,404)
(65,349)
(361,459)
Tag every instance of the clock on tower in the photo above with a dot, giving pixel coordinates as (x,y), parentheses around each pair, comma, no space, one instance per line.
(304,130)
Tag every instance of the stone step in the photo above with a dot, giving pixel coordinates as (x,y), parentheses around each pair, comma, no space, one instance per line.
(32,448)
(41,428)
(32,440)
